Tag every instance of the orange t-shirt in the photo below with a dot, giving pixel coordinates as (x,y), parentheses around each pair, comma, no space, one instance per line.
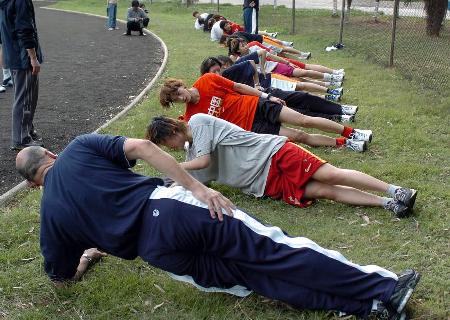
(218,99)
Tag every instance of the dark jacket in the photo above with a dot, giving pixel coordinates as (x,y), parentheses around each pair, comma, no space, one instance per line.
(18,33)
(247,4)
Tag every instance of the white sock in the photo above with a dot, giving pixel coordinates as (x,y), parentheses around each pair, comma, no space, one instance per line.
(391,189)
(327,77)
(6,74)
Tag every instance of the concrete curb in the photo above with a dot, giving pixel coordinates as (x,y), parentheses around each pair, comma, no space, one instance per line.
(7,196)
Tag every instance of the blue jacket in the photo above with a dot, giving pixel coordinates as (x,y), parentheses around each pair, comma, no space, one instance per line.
(18,33)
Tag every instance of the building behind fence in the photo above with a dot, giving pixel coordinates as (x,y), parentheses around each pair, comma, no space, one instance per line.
(368,30)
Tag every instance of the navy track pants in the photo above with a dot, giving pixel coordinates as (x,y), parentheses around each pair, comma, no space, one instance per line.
(179,236)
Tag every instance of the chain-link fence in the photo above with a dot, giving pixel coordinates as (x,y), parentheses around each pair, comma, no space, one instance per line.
(367,30)
(404,43)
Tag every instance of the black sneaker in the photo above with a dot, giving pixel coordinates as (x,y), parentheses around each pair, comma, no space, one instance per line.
(18,147)
(34,135)
(406,196)
(406,284)
(383,313)
(398,208)
(7,82)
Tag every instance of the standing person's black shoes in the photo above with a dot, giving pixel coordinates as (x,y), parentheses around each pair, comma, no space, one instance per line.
(127,34)
(30,143)
(406,284)
(34,135)
(142,34)
(407,196)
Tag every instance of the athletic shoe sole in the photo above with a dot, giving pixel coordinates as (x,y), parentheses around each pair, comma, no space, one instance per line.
(412,285)
(411,200)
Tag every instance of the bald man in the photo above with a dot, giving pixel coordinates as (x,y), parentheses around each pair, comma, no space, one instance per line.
(92,200)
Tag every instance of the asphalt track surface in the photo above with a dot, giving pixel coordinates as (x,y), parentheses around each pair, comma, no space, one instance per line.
(89,75)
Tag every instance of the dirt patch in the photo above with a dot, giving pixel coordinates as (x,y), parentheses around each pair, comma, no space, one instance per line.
(89,75)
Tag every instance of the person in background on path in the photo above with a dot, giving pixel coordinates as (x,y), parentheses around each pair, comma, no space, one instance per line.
(251,11)
(137,19)
(7,78)
(112,13)
(22,54)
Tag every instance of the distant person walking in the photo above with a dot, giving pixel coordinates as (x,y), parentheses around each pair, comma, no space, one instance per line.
(22,54)
(251,11)
(112,14)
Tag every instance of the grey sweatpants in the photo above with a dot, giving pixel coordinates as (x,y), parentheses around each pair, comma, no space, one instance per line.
(26,90)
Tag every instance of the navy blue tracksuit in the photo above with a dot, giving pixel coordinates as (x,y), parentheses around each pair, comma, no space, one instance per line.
(180,237)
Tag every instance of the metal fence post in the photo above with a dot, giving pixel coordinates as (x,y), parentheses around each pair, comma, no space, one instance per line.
(341,27)
(218,5)
(293,16)
(394,29)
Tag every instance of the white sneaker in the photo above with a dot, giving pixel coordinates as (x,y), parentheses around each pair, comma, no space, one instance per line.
(361,135)
(273,34)
(356,145)
(337,77)
(345,118)
(288,43)
(337,84)
(348,109)
(110,29)
(305,55)
(2,88)
(339,71)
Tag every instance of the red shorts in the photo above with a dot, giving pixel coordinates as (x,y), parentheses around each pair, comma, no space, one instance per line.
(291,168)
(299,64)
(283,69)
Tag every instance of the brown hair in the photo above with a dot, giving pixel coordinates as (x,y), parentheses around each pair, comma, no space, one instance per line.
(162,127)
(233,45)
(194,13)
(168,89)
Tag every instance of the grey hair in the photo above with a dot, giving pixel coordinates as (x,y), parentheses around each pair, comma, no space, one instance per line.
(34,158)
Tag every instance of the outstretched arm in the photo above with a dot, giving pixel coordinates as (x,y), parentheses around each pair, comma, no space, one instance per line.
(197,163)
(165,163)
(247,90)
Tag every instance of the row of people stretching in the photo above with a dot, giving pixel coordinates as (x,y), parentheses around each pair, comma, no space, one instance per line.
(92,200)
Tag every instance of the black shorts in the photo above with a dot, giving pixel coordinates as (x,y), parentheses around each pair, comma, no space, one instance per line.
(267,117)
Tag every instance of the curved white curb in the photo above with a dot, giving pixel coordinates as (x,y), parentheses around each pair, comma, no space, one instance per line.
(12,192)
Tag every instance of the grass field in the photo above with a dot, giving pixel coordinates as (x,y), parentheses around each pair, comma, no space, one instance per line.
(410,147)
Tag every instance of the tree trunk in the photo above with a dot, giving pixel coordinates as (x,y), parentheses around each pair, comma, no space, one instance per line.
(436,10)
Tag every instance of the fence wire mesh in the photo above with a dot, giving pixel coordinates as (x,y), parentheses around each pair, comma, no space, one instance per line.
(418,56)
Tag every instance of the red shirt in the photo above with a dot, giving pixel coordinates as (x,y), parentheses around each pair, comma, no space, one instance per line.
(217,98)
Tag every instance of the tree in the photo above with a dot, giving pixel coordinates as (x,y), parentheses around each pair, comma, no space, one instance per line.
(436,11)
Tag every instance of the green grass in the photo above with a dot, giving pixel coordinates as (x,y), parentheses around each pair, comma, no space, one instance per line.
(410,147)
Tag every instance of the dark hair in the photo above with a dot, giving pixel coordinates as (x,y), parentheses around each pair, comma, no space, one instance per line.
(208,63)
(222,24)
(194,13)
(225,60)
(135,3)
(233,45)
(168,89)
(34,159)
(205,22)
(161,128)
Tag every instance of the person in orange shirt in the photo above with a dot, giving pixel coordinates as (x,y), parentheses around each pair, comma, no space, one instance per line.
(256,111)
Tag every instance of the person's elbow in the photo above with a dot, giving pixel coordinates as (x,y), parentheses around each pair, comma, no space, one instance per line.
(136,148)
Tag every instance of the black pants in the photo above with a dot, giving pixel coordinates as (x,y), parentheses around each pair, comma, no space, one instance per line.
(308,104)
(137,26)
